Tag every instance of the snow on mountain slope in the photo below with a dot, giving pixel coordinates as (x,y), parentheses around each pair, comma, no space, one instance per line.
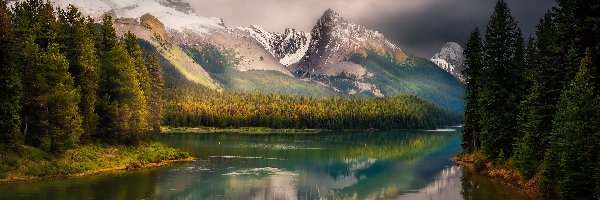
(333,43)
(174,14)
(451,59)
(288,46)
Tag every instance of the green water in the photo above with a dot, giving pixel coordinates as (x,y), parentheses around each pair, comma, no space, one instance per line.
(350,165)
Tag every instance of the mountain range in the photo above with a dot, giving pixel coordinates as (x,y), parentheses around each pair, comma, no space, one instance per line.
(337,58)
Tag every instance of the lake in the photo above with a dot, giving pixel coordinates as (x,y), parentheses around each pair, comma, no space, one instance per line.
(336,165)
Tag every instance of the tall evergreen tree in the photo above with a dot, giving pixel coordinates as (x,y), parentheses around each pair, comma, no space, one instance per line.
(538,108)
(155,100)
(123,104)
(574,143)
(498,98)
(472,72)
(61,99)
(35,28)
(136,53)
(10,82)
(78,45)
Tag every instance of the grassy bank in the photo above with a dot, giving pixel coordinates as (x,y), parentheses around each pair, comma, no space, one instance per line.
(241,130)
(505,173)
(28,163)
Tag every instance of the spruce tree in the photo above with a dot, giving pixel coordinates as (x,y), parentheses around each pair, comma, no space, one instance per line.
(63,121)
(10,82)
(472,72)
(500,95)
(123,104)
(576,124)
(155,100)
(77,43)
(136,53)
(35,29)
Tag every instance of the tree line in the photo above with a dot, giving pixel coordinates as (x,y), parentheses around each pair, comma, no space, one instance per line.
(536,102)
(191,105)
(68,80)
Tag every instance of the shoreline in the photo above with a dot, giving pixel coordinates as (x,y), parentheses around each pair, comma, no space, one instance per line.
(264,130)
(16,179)
(27,163)
(500,174)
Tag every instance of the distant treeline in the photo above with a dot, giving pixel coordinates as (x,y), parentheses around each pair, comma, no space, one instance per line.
(193,106)
(66,80)
(536,104)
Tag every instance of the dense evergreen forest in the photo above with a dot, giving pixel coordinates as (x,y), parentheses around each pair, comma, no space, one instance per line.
(67,80)
(192,106)
(536,103)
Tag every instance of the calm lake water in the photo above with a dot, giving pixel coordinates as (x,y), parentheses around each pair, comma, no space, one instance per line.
(349,165)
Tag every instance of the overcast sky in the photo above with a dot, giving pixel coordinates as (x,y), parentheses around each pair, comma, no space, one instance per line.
(418,26)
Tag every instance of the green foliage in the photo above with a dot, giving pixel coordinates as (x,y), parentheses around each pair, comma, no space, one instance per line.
(575,136)
(472,71)
(10,82)
(77,43)
(556,127)
(155,101)
(60,99)
(122,98)
(500,94)
(194,106)
(29,161)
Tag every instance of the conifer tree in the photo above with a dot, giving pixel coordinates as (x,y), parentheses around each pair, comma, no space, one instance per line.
(497,97)
(155,100)
(123,104)
(63,121)
(77,43)
(575,139)
(10,82)
(35,28)
(472,72)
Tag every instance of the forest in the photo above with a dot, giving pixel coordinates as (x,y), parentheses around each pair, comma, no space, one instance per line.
(534,103)
(193,106)
(68,80)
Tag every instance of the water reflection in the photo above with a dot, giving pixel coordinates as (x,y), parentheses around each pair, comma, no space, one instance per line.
(380,165)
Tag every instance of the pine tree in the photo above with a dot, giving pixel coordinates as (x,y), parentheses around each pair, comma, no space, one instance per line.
(135,52)
(574,142)
(155,100)
(61,100)
(123,104)
(10,82)
(35,28)
(498,98)
(78,44)
(472,72)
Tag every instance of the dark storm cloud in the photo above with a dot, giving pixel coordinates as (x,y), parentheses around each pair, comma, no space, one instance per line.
(418,26)
(422,32)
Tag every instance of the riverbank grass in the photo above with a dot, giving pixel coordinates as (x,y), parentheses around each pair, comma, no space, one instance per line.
(503,171)
(28,163)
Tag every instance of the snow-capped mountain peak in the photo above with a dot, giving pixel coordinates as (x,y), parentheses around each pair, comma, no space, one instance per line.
(451,59)
(289,46)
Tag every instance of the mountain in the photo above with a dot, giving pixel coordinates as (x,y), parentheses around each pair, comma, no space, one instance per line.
(288,46)
(337,58)
(451,59)
(355,60)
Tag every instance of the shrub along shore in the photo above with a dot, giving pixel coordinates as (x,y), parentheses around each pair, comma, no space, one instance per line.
(29,163)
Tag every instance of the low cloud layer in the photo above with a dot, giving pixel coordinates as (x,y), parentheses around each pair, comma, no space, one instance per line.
(419,26)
